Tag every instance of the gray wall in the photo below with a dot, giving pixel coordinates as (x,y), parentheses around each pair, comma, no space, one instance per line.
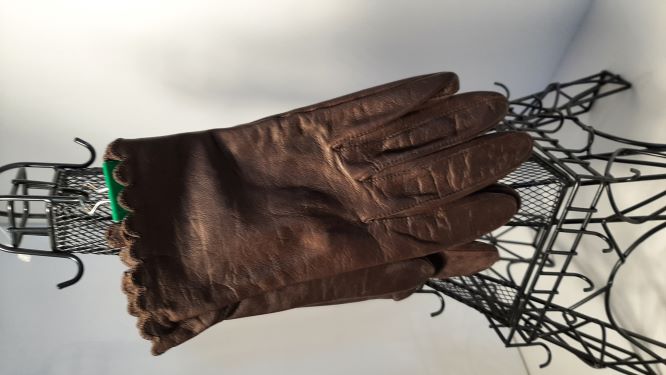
(127,69)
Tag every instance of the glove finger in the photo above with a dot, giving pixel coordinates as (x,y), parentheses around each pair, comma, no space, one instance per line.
(165,337)
(446,175)
(396,280)
(346,287)
(395,295)
(356,114)
(443,225)
(438,124)
(464,260)
(443,265)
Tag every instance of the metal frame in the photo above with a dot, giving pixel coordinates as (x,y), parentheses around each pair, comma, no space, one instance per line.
(520,294)
(58,195)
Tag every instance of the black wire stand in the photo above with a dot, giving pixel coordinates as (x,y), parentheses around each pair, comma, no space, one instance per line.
(568,198)
(563,191)
(72,211)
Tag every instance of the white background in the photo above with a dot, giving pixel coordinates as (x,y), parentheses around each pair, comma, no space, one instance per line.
(102,70)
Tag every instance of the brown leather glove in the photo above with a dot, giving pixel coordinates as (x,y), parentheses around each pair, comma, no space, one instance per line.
(395,281)
(375,177)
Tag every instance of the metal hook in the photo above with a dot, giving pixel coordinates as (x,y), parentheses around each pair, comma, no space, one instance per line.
(53,254)
(549,355)
(77,140)
(507,92)
(91,211)
(441,300)
(97,189)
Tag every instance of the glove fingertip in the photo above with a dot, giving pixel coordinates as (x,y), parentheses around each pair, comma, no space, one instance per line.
(468,259)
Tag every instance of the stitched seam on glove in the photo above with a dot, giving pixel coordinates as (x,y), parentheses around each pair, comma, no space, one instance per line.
(358,144)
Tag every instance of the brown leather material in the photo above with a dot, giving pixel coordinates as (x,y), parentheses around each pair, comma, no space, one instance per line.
(384,175)
(390,281)
(467,260)
(395,281)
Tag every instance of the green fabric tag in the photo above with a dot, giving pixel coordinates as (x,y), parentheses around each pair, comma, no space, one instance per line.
(117,212)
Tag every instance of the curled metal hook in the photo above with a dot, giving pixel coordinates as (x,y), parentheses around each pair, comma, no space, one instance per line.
(590,284)
(442,305)
(507,92)
(53,254)
(549,355)
(77,140)
(91,210)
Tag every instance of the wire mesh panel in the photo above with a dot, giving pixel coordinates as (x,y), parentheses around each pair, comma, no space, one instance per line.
(73,229)
(541,189)
(485,295)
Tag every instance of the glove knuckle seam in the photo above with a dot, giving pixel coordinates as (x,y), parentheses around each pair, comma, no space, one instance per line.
(432,200)
(348,144)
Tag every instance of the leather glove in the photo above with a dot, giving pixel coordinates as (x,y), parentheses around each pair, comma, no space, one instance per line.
(396,281)
(371,178)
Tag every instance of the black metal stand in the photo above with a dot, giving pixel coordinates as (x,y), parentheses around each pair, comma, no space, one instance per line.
(565,192)
(73,213)
(563,189)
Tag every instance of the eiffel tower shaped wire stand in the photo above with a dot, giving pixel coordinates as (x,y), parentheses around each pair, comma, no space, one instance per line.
(565,192)
(519,295)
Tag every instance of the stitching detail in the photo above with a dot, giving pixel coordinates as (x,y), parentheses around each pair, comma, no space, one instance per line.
(151,323)
(467,204)
(454,194)
(314,107)
(131,287)
(387,216)
(405,171)
(449,111)
(340,144)
(133,280)
(439,144)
